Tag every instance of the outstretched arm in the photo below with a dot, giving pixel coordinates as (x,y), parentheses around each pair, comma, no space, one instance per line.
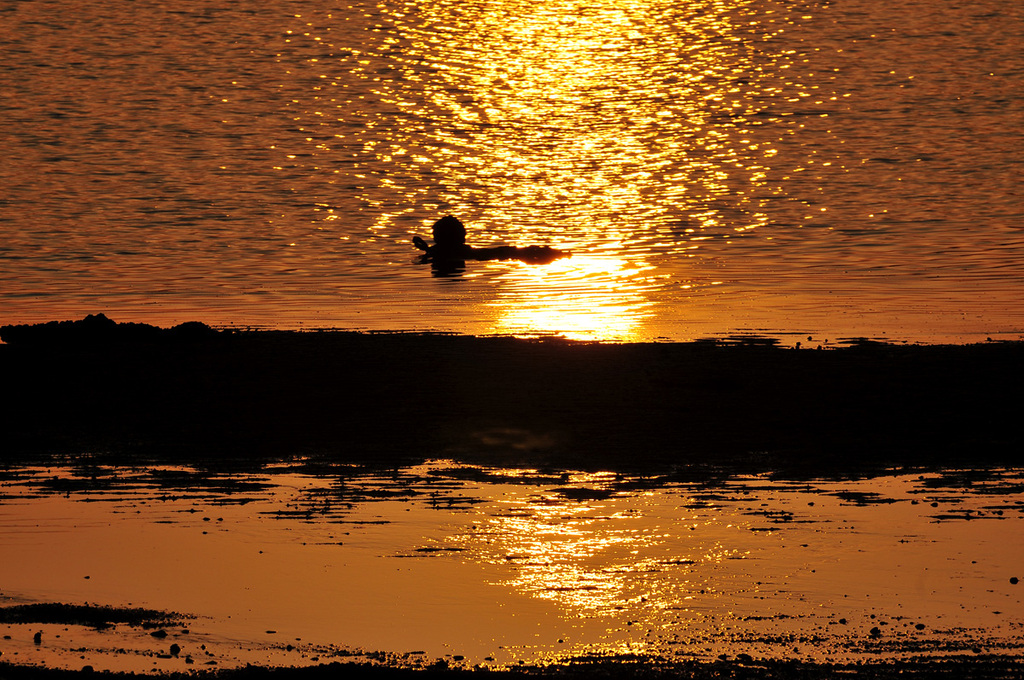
(528,254)
(420,243)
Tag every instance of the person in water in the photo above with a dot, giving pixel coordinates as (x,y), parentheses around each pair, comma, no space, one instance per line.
(450,248)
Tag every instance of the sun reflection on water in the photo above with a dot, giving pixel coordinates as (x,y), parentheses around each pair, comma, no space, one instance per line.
(631,133)
(586,297)
(563,148)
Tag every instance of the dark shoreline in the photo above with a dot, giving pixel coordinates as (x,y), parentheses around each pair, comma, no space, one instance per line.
(957,668)
(198,395)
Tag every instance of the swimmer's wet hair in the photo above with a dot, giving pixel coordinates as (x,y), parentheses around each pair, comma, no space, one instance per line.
(449,231)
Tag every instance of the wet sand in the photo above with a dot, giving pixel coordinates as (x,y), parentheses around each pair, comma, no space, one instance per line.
(304,563)
(228,400)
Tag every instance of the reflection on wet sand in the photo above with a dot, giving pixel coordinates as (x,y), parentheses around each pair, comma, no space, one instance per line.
(308,562)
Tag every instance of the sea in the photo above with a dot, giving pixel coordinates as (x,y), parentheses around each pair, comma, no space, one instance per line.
(836,169)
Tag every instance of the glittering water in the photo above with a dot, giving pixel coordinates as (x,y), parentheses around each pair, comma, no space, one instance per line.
(837,169)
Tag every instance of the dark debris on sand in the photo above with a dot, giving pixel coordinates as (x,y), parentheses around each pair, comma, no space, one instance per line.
(191,391)
(93,616)
(950,669)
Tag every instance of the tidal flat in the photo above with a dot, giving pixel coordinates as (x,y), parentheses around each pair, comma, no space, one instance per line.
(193,500)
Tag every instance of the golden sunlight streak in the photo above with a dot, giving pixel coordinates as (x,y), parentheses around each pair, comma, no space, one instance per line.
(558,152)
(586,297)
(625,129)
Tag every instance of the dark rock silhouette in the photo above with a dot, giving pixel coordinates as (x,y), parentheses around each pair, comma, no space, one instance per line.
(97,329)
(450,251)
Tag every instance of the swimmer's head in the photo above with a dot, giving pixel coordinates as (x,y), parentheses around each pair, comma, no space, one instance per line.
(449,231)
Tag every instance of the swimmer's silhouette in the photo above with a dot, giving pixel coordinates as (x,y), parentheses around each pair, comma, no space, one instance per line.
(449,253)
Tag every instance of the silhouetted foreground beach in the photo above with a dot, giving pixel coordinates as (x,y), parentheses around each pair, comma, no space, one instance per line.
(954,669)
(197,394)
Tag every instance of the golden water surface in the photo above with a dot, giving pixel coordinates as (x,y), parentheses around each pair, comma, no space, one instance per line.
(715,166)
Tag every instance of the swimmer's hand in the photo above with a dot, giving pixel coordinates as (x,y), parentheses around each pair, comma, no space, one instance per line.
(420,243)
